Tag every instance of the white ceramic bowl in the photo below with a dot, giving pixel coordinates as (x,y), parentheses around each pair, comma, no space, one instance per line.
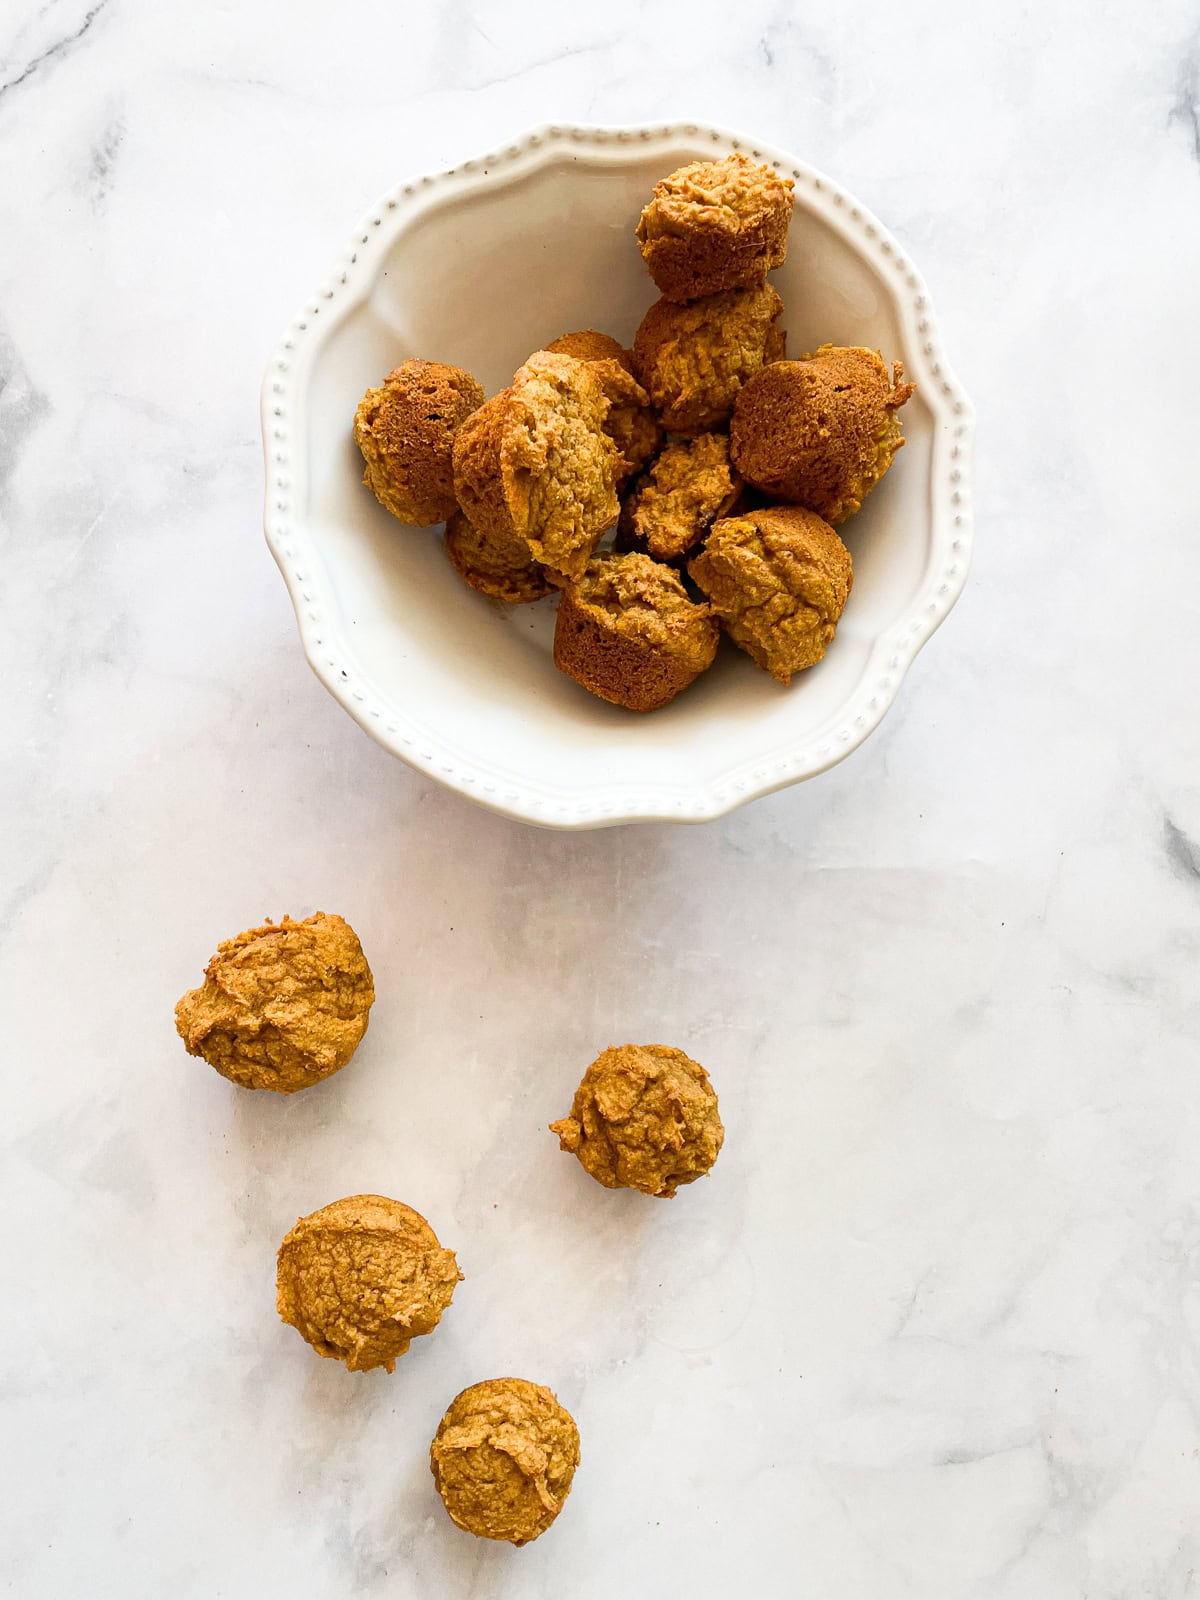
(479,266)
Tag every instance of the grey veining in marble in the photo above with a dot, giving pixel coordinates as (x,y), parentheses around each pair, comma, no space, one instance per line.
(930,1331)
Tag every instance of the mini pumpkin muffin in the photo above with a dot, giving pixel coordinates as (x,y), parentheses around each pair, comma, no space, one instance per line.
(534,466)
(500,571)
(778,580)
(282,1006)
(628,631)
(822,431)
(644,1117)
(713,225)
(405,430)
(687,487)
(363,1277)
(589,345)
(693,359)
(503,1459)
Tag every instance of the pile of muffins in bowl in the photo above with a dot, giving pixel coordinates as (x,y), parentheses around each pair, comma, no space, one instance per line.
(687,487)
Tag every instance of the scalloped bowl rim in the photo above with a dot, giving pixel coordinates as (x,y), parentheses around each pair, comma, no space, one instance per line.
(292,545)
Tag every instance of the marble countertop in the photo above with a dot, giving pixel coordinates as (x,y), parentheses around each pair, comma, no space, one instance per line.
(930,1331)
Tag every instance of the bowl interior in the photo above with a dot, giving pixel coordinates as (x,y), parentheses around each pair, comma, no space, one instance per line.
(480,278)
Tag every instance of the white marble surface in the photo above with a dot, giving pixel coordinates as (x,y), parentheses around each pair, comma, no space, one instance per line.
(930,1331)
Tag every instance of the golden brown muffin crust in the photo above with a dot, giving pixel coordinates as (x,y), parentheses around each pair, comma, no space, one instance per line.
(363,1277)
(282,1006)
(589,345)
(778,580)
(405,430)
(688,486)
(534,468)
(628,632)
(693,360)
(481,466)
(713,225)
(644,1117)
(503,1459)
(822,431)
(492,570)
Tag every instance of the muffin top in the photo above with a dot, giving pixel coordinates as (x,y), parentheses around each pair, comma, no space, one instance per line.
(282,1005)
(689,484)
(503,1459)
(713,225)
(644,1117)
(693,359)
(778,579)
(363,1277)
(643,599)
(534,464)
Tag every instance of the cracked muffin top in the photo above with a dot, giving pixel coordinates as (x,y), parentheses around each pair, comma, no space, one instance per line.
(282,1006)
(713,225)
(822,431)
(644,1117)
(628,631)
(693,360)
(645,600)
(363,1277)
(688,485)
(535,465)
(778,579)
(405,430)
(503,1459)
